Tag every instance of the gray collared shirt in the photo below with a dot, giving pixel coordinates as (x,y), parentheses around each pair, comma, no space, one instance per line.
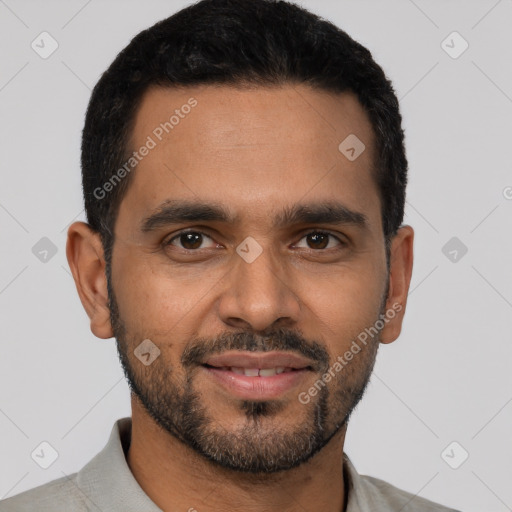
(106,484)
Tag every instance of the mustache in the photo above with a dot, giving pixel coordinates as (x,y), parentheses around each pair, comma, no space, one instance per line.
(198,350)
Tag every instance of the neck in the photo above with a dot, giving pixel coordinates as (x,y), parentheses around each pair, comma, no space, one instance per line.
(176,478)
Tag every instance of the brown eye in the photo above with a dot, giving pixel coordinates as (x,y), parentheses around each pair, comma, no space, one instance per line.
(318,240)
(189,240)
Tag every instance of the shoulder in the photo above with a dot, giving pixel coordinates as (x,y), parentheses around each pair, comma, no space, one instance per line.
(385,496)
(104,483)
(60,494)
(366,493)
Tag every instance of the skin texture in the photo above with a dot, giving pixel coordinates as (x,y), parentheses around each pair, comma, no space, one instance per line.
(255,151)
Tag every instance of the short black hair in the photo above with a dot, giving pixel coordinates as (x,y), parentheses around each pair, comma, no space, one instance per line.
(236,42)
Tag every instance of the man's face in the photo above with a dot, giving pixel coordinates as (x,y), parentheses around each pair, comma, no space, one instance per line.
(295,289)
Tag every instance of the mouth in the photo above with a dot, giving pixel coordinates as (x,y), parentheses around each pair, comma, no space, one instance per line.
(257,375)
(255,362)
(255,372)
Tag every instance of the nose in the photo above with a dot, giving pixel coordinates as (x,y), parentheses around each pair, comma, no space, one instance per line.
(259,295)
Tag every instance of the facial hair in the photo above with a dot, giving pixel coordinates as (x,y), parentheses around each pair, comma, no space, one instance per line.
(261,445)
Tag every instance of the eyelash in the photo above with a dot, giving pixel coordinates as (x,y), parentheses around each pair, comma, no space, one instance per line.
(315,232)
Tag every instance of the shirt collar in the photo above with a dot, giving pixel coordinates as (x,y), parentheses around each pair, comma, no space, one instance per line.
(354,487)
(107,480)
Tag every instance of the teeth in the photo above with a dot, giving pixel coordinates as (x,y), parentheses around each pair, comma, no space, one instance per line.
(262,372)
(267,372)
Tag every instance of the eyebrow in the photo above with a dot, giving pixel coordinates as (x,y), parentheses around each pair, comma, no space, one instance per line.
(179,211)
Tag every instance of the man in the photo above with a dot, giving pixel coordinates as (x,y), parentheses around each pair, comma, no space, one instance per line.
(244,179)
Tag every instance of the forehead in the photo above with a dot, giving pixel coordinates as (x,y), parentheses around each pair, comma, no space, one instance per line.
(255,149)
(230,116)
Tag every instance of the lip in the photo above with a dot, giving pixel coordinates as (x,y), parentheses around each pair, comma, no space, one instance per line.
(263,360)
(256,388)
(218,368)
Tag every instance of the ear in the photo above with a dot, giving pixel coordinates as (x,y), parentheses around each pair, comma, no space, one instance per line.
(85,255)
(401,258)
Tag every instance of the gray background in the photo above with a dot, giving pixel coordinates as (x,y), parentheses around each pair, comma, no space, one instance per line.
(446,379)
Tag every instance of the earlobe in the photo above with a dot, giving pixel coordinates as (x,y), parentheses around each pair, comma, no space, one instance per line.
(85,255)
(401,262)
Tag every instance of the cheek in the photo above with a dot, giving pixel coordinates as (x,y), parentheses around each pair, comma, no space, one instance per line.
(154,299)
(343,306)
